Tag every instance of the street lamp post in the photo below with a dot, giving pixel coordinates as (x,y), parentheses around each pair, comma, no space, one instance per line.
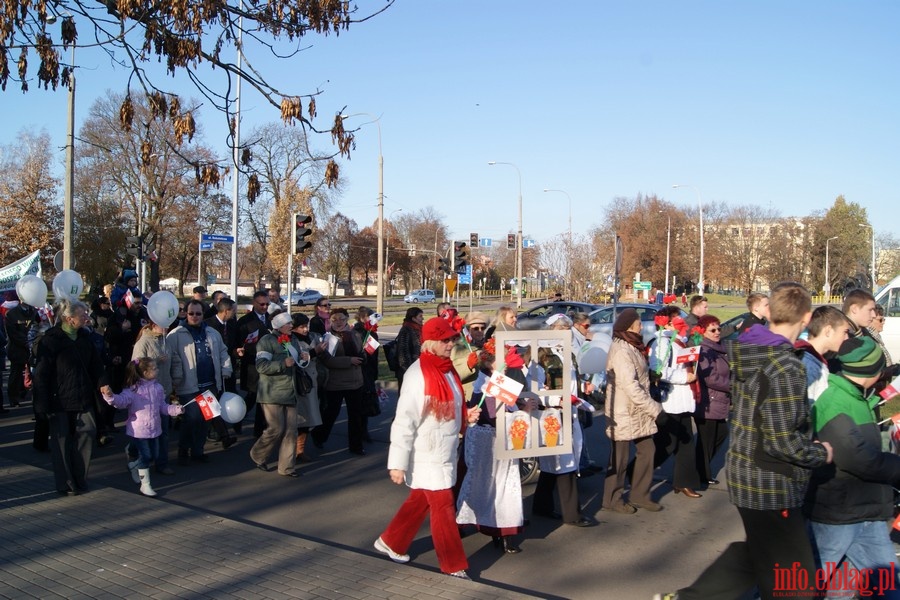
(700,283)
(379,288)
(827,287)
(387,251)
(140,231)
(69,209)
(668,248)
(569,249)
(874,281)
(518,235)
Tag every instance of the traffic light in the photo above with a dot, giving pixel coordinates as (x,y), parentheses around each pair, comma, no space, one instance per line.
(443,265)
(133,246)
(461,255)
(511,241)
(473,240)
(300,232)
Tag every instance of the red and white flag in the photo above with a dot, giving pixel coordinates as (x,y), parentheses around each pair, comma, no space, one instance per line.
(890,391)
(371,346)
(209,405)
(688,355)
(129,298)
(251,337)
(503,388)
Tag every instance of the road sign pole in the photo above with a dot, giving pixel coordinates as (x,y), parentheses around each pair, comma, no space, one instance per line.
(199,260)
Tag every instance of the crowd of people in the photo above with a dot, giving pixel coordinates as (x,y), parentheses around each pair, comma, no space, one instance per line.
(789,392)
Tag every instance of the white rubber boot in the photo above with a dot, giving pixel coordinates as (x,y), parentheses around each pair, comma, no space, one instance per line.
(146,489)
(132,468)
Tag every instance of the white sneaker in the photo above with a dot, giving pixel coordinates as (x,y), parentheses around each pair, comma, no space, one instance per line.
(135,476)
(384,549)
(460,575)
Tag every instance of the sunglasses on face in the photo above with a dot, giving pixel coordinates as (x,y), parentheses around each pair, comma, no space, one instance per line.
(195,314)
(713,329)
(476,328)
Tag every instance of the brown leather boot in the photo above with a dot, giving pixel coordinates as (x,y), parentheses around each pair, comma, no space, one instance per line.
(301,445)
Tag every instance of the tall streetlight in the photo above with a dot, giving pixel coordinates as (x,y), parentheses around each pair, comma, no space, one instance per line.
(569,249)
(668,248)
(68,201)
(140,231)
(518,235)
(873,254)
(827,286)
(387,249)
(379,291)
(700,204)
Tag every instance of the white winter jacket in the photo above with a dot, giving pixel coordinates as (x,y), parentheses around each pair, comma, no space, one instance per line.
(678,397)
(423,446)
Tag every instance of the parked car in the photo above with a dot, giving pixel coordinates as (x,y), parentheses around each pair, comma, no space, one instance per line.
(535,317)
(602,319)
(417,296)
(305,297)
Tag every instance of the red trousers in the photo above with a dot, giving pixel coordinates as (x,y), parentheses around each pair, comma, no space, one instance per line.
(444,532)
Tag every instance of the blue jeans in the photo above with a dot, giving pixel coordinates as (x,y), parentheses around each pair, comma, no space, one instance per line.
(147,449)
(867,545)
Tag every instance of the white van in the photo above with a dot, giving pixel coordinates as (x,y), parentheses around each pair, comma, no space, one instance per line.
(889,298)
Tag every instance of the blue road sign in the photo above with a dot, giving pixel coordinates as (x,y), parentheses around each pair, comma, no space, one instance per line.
(528,243)
(206,245)
(215,237)
(465,277)
(485,242)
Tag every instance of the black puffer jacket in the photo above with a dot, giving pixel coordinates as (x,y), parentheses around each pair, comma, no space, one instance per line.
(67,372)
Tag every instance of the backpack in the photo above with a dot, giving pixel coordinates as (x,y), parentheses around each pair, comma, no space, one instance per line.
(390,353)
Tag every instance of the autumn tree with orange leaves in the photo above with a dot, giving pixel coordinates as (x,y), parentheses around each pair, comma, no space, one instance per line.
(194,39)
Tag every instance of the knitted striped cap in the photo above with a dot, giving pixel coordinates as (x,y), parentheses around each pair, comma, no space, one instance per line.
(861,356)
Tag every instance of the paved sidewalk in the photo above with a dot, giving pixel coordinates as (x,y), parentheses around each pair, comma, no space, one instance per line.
(111,543)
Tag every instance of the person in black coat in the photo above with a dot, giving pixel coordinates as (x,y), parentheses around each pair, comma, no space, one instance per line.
(251,328)
(67,371)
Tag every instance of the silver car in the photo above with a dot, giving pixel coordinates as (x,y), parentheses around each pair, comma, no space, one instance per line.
(305,297)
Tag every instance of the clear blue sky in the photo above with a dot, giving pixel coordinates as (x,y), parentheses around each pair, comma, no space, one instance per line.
(782,104)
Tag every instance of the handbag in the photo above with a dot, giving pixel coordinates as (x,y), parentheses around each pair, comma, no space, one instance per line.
(303,383)
(371,406)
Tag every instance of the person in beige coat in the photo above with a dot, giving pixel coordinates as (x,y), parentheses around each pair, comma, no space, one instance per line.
(630,417)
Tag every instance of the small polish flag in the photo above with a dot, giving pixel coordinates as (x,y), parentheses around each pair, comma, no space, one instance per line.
(251,337)
(372,345)
(892,390)
(688,355)
(129,298)
(209,405)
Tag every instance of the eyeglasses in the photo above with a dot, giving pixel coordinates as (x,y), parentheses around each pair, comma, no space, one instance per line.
(181,309)
(324,306)
(713,329)
(262,303)
(195,314)
(479,328)
(450,340)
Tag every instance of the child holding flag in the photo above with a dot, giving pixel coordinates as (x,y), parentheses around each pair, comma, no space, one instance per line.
(145,400)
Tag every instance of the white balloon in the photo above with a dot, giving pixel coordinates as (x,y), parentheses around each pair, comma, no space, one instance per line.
(592,356)
(67,284)
(163,308)
(233,407)
(32,290)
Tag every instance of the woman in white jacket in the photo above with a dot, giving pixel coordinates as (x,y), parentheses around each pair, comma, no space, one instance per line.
(676,433)
(424,439)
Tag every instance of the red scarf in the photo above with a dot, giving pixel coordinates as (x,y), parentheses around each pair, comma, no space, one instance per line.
(440,399)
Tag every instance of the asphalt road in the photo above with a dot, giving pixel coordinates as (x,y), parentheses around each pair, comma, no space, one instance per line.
(346,501)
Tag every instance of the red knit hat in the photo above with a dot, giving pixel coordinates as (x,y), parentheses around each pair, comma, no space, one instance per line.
(438,329)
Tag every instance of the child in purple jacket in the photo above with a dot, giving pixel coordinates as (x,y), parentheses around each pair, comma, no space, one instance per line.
(145,400)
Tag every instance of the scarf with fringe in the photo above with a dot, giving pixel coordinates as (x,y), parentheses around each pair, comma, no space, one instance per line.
(439,394)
